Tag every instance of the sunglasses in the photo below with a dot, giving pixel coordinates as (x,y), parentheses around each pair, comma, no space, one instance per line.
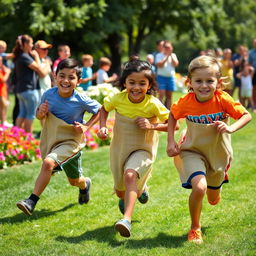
(44,49)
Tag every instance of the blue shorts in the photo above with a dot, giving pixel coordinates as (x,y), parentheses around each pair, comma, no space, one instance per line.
(166,83)
(28,102)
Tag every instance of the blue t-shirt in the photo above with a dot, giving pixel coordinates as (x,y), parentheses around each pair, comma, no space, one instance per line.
(70,109)
(86,73)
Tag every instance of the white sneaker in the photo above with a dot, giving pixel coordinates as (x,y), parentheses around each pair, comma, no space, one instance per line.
(7,124)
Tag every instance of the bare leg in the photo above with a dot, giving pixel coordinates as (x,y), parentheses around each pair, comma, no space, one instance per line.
(80,182)
(161,95)
(20,122)
(131,192)
(213,196)
(44,176)
(28,125)
(168,99)
(199,187)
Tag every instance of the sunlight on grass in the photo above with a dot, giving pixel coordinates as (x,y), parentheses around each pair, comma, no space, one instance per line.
(60,226)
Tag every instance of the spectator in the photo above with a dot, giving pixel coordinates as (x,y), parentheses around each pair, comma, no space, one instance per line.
(87,75)
(102,75)
(252,61)
(166,62)
(227,70)
(42,48)
(64,53)
(151,60)
(4,75)
(27,66)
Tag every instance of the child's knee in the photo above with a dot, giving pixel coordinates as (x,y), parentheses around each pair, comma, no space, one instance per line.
(199,185)
(130,176)
(48,164)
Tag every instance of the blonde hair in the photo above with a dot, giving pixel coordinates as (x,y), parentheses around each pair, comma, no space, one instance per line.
(87,57)
(3,44)
(205,61)
(105,61)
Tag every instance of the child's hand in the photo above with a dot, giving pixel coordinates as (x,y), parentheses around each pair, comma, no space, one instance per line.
(143,123)
(173,149)
(103,133)
(80,128)
(43,109)
(222,127)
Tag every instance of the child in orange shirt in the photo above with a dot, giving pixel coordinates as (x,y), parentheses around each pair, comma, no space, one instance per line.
(204,153)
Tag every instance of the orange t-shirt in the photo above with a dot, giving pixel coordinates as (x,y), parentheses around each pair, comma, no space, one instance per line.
(219,108)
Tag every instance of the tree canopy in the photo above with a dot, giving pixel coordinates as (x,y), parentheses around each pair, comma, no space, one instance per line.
(119,28)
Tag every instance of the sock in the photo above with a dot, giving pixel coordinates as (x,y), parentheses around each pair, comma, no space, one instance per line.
(34,198)
(83,191)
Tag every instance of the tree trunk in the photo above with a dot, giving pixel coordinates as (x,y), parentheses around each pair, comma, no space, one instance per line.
(114,43)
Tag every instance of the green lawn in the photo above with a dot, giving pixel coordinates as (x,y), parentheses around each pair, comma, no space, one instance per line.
(60,226)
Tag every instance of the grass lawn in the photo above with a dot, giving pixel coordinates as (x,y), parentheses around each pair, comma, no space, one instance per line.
(60,226)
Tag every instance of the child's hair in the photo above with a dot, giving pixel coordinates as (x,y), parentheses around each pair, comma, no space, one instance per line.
(105,61)
(135,65)
(62,47)
(86,57)
(3,44)
(70,63)
(205,61)
(20,41)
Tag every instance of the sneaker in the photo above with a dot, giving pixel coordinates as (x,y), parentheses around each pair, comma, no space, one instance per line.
(27,206)
(123,226)
(121,205)
(84,198)
(8,124)
(144,197)
(195,236)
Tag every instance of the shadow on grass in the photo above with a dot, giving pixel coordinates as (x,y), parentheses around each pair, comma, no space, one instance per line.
(108,235)
(21,217)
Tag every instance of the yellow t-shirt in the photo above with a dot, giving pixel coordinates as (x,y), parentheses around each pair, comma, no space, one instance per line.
(149,107)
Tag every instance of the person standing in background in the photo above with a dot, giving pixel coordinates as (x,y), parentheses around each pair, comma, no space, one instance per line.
(252,61)
(166,62)
(227,70)
(27,69)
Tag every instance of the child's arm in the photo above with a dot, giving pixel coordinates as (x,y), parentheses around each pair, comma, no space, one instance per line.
(144,123)
(172,146)
(42,110)
(103,132)
(81,128)
(241,122)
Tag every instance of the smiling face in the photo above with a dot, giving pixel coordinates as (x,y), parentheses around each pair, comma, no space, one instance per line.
(204,83)
(66,80)
(137,85)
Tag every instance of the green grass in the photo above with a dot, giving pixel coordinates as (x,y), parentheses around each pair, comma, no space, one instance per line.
(60,226)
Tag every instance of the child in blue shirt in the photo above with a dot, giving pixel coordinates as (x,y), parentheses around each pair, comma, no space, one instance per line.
(62,137)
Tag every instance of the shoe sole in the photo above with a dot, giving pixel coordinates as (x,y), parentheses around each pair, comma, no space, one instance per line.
(123,230)
(23,208)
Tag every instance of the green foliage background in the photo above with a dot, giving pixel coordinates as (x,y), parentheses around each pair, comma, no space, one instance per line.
(118,29)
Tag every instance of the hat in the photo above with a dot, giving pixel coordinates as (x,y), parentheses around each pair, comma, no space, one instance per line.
(42,44)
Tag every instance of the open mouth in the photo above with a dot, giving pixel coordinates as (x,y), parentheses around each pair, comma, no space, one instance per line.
(65,86)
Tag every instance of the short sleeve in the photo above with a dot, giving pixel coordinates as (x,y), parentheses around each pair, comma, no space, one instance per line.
(232,108)
(109,103)
(91,106)
(178,108)
(161,111)
(27,60)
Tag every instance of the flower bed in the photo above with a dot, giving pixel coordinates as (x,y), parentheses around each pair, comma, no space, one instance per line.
(17,147)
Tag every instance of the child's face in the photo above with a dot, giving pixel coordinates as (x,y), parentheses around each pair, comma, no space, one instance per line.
(66,80)
(88,63)
(137,86)
(64,53)
(204,83)
(2,49)
(106,67)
